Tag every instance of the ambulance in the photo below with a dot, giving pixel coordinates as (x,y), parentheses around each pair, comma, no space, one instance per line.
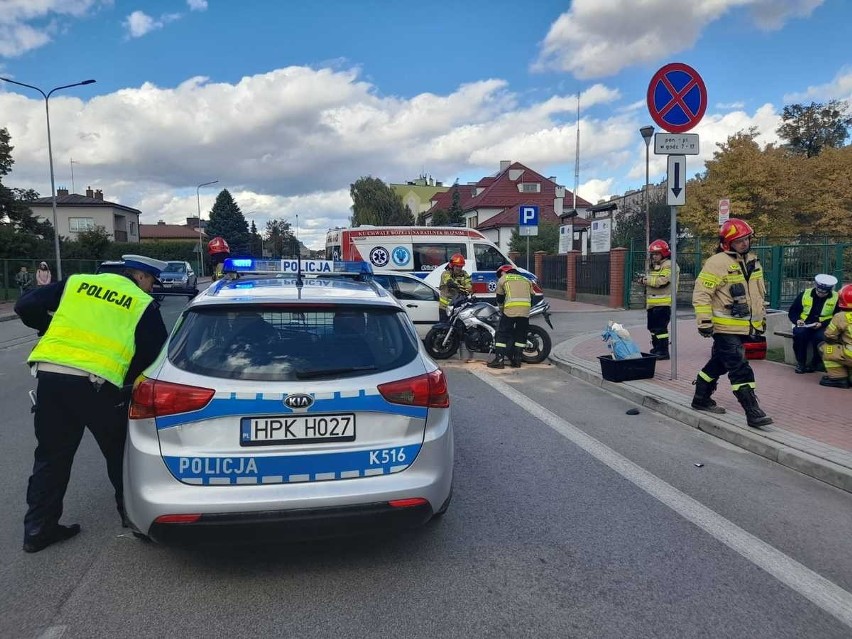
(423,251)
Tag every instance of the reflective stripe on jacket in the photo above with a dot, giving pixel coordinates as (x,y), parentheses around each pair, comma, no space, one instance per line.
(451,283)
(838,338)
(516,292)
(712,298)
(827,311)
(94,326)
(658,284)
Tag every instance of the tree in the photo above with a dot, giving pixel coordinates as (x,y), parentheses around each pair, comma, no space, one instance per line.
(280,238)
(629,222)
(15,214)
(92,244)
(547,240)
(809,129)
(440,218)
(455,216)
(256,242)
(376,203)
(227,221)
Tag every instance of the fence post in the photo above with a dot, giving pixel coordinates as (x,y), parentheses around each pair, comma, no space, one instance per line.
(538,256)
(777,276)
(571,275)
(839,266)
(628,278)
(616,276)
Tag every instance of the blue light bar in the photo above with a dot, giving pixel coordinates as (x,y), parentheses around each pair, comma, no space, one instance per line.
(259,266)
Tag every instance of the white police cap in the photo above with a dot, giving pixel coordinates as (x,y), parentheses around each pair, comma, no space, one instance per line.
(825,281)
(145,264)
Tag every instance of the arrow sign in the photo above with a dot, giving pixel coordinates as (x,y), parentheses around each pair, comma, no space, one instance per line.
(676,191)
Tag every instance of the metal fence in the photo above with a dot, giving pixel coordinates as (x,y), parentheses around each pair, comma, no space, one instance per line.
(554,272)
(593,274)
(9,268)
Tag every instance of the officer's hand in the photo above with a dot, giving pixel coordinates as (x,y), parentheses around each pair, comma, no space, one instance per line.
(705,331)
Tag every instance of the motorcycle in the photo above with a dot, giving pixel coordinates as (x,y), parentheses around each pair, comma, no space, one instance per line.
(475,322)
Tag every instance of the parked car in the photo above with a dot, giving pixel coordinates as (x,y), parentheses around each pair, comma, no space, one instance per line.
(178,278)
(419,299)
(285,407)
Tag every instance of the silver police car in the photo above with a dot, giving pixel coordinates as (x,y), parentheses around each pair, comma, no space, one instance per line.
(288,407)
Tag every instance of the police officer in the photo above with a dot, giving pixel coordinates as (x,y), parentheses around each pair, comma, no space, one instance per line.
(837,348)
(514,296)
(658,296)
(454,280)
(728,301)
(104,331)
(810,314)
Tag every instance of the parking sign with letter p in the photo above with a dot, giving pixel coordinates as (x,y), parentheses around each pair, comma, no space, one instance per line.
(528,216)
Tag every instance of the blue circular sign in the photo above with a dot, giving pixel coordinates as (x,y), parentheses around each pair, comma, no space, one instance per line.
(400,255)
(379,256)
(677,97)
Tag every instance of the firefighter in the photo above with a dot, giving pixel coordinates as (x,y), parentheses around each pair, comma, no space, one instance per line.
(98,333)
(454,280)
(218,250)
(514,296)
(810,314)
(729,308)
(658,296)
(836,350)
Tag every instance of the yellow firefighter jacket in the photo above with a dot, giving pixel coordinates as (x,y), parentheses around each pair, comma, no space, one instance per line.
(658,284)
(712,297)
(514,295)
(452,284)
(838,339)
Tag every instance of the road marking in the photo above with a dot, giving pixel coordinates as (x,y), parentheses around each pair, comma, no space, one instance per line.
(817,589)
(53,632)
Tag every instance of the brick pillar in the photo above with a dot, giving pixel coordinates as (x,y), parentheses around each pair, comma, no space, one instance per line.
(617,257)
(514,256)
(571,275)
(539,264)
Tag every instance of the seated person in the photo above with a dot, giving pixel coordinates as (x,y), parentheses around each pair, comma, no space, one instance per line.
(810,314)
(837,348)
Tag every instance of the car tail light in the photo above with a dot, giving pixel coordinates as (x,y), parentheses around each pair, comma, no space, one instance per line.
(153,398)
(407,503)
(177,519)
(537,289)
(424,390)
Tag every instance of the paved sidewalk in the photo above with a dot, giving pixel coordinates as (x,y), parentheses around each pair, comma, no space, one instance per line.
(812,432)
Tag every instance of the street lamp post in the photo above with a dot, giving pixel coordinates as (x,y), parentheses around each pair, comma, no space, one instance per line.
(198,203)
(46,97)
(647,132)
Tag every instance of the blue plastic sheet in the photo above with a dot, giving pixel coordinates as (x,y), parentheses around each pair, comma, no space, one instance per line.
(619,342)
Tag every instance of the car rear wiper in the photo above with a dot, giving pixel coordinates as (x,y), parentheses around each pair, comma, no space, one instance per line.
(323,372)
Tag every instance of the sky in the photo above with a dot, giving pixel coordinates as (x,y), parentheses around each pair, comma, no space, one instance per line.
(286,102)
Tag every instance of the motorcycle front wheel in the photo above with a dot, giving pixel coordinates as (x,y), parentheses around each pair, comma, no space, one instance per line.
(538,345)
(435,346)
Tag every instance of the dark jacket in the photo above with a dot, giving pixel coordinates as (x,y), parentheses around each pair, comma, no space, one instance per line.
(797,306)
(34,308)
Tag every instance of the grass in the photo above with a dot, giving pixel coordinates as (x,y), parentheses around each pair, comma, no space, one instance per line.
(775,354)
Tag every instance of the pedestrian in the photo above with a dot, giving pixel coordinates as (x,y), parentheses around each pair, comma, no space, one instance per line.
(454,280)
(810,314)
(659,287)
(514,296)
(729,308)
(98,333)
(23,280)
(43,275)
(836,350)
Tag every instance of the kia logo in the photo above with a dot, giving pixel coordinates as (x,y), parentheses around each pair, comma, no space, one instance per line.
(298,400)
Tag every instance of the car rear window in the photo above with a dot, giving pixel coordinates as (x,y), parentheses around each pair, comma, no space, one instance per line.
(286,343)
(174,268)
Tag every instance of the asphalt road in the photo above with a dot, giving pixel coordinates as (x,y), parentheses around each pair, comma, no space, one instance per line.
(569,519)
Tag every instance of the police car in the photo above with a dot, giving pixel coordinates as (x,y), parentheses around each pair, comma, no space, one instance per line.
(288,406)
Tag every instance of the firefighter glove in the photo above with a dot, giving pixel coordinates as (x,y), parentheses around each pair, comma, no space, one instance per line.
(705,331)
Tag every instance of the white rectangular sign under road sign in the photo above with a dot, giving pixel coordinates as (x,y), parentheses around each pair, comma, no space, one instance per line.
(526,231)
(724,211)
(678,143)
(676,187)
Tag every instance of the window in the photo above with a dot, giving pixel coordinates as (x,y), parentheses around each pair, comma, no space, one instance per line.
(133,228)
(427,257)
(410,289)
(175,267)
(530,187)
(79,224)
(332,252)
(488,258)
(473,222)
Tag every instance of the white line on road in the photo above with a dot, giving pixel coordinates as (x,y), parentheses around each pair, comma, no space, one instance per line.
(827,595)
(53,632)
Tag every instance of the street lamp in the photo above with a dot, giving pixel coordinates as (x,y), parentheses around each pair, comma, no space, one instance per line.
(647,132)
(198,202)
(46,97)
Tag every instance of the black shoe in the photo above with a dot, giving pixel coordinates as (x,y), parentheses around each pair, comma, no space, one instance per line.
(497,362)
(662,354)
(801,370)
(701,400)
(840,382)
(516,362)
(36,543)
(755,417)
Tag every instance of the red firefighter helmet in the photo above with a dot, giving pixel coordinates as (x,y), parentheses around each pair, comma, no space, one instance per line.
(734,229)
(660,246)
(504,269)
(218,245)
(844,298)
(457,260)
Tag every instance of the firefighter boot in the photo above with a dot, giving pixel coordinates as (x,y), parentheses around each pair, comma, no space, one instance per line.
(755,417)
(834,382)
(516,358)
(497,362)
(662,350)
(703,391)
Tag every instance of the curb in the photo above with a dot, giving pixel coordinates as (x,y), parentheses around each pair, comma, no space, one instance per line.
(777,445)
(8,318)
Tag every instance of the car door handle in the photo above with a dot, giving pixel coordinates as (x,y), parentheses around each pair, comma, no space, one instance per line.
(412,306)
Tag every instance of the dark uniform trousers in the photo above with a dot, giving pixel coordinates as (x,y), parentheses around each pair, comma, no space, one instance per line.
(728,356)
(658,323)
(804,337)
(511,331)
(66,405)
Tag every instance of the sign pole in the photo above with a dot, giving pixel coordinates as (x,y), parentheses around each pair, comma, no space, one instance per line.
(673,323)
(528,252)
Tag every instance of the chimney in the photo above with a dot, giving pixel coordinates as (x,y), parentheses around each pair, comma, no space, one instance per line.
(62,190)
(505,164)
(90,192)
(99,195)
(192,222)
(160,223)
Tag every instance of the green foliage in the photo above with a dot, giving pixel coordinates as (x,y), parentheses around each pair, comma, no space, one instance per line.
(629,222)
(280,240)
(547,240)
(440,218)
(93,244)
(456,214)
(377,204)
(808,129)
(227,220)
(6,160)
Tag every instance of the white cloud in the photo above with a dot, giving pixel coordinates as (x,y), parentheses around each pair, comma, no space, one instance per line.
(598,38)
(29,24)
(197,5)
(840,88)
(731,105)
(293,140)
(140,23)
